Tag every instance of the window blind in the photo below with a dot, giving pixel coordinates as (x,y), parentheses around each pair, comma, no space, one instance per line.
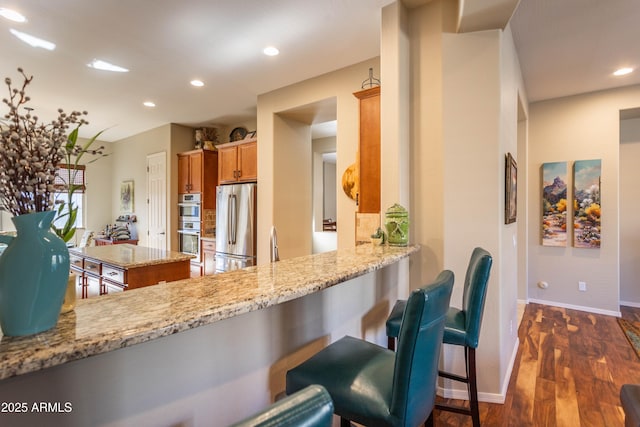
(72,173)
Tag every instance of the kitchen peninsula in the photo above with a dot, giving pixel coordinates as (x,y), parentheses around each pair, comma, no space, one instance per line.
(112,268)
(238,330)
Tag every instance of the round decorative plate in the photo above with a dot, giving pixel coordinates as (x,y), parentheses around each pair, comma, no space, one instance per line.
(237,134)
(350,181)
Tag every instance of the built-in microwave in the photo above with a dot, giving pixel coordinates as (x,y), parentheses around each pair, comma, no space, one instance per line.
(189,207)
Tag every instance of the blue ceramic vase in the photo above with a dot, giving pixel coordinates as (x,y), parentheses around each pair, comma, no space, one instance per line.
(34,270)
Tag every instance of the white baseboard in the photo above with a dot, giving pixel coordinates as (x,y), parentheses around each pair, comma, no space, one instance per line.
(577,307)
(630,304)
(461,394)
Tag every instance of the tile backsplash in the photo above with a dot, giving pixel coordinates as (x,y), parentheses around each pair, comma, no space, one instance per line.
(208,222)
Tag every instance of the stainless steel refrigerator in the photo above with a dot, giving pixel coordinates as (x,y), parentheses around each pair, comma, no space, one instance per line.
(235,226)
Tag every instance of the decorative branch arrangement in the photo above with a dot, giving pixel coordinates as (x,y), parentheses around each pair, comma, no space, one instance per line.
(30,155)
(30,152)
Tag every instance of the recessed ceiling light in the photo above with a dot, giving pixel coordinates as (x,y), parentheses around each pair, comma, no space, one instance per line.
(271,51)
(149,104)
(99,64)
(33,41)
(623,71)
(12,15)
(197,83)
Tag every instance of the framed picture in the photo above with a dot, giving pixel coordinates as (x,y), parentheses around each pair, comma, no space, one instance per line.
(510,190)
(126,196)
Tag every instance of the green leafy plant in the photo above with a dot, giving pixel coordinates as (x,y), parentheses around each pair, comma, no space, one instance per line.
(67,209)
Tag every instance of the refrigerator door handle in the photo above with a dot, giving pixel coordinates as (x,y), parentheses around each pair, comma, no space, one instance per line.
(234,219)
(229,220)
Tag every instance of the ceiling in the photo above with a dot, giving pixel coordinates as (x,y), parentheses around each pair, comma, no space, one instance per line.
(565,47)
(568,47)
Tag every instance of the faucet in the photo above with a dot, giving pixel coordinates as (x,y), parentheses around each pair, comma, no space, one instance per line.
(274,245)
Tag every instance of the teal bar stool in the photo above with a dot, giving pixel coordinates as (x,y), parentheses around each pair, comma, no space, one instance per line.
(462,327)
(374,386)
(309,407)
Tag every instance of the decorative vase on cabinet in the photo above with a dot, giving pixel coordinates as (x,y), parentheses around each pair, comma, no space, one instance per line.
(34,270)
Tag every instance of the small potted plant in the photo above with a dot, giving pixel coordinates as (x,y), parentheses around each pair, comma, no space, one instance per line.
(378,238)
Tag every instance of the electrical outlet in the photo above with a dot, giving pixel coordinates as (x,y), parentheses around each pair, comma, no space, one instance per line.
(582,286)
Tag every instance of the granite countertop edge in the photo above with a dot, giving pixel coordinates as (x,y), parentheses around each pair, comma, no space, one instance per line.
(209,299)
(121,255)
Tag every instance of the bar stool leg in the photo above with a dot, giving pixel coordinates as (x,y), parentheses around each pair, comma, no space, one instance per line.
(473,387)
(429,422)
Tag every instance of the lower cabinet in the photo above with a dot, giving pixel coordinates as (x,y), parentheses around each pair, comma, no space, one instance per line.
(208,257)
(92,286)
(96,278)
(112,287)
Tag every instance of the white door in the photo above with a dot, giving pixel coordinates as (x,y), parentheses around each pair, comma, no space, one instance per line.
(157,200)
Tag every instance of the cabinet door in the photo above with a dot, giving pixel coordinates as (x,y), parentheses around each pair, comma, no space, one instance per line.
(369,151)
(195,173)
(248,162)
(183,174)
(208,257)
(112,288)
(93,286)
(227,164)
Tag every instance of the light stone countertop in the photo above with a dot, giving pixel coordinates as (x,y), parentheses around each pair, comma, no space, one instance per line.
(100,325)
(130,256)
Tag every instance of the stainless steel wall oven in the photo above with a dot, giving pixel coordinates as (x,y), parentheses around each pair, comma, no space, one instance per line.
(190,217)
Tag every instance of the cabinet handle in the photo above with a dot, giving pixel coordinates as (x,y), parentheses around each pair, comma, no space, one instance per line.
(239,174)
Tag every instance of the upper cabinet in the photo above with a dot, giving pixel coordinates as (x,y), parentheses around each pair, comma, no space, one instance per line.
(369,151)
(238,162)
(198,173)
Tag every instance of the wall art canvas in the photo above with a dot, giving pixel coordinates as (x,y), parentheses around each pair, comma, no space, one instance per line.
(554,204)
(586,203)
(126,197)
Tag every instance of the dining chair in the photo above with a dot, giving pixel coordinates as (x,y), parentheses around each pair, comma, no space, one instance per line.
(462,327)
(374,386)
(309,407)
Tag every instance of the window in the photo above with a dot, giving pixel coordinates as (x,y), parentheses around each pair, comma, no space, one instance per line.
(73,174)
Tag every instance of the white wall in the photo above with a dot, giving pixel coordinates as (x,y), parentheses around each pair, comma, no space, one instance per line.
(292,195)
(99,180)
(480,127)
(574,128)
(329,173)
(340,85)
(129,163)
(629,208)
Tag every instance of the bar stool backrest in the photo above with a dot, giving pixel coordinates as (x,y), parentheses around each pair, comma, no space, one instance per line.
(474,293)
(418,353)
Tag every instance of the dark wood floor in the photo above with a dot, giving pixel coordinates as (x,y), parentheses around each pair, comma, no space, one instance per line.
(568,372)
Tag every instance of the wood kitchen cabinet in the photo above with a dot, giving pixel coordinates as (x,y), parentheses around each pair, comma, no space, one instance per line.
(197,172)
(368,158)
(238,162)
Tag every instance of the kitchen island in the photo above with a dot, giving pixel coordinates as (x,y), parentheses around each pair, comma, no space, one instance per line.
(240,331)
(112,268)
